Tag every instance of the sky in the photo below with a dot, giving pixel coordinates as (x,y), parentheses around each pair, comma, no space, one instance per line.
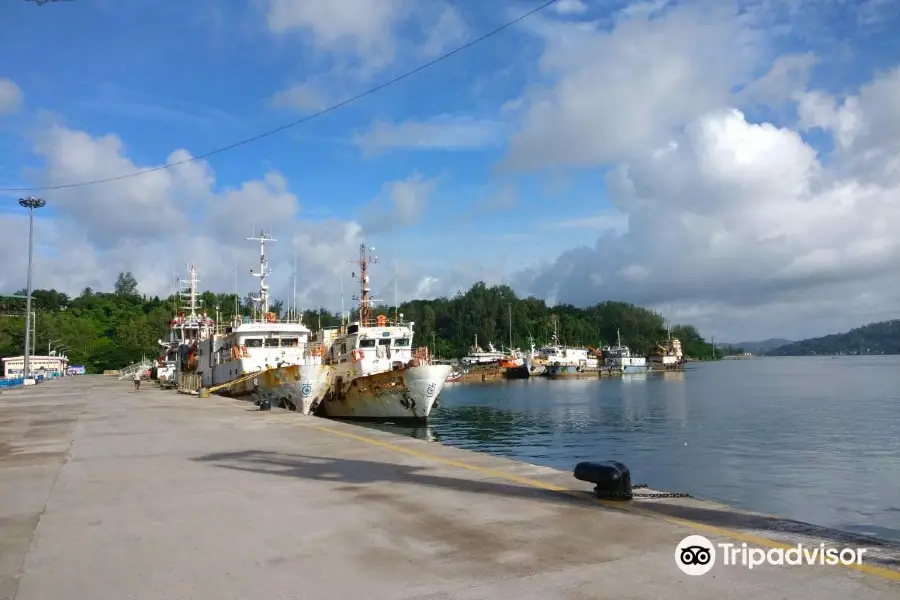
(734,165)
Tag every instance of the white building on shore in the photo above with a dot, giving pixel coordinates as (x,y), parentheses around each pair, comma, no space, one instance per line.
(14,366)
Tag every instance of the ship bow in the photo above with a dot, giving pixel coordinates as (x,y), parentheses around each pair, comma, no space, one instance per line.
(425,384)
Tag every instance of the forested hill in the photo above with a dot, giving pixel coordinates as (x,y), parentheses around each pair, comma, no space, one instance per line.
(111,330)
(874,338)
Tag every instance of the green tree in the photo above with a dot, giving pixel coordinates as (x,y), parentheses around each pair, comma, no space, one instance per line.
(111,330)
(126,285)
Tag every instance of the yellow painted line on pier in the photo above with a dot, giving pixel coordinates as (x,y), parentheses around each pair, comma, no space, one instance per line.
(499,474)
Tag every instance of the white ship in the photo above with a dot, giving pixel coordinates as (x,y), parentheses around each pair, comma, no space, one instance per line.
(187,327)
(620,358)
(478,356)
(669,355)
(376,374)
(560,360)
(253,345)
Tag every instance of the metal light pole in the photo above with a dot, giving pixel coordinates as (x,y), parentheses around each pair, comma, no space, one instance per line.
(30,203)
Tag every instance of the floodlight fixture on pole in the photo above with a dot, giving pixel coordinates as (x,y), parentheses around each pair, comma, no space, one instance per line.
(30,203)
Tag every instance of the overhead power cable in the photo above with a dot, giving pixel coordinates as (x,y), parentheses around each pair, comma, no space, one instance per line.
(300,121)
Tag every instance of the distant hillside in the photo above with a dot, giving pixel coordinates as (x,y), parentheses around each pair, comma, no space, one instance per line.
(763,346)
(874,338)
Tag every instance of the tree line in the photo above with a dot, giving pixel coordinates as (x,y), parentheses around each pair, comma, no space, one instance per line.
(108,330)
(875,338)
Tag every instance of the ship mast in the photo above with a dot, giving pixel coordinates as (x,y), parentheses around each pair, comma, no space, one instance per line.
(262,301)
(365,302)
(189,290)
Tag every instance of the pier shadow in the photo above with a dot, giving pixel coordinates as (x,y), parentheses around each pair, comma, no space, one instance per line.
(355,472)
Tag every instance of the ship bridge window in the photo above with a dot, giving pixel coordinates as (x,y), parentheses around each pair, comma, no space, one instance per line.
(290,342)
(386,342)
(254,343)
(401,342)
(366,343)
(353,329)
(271,342)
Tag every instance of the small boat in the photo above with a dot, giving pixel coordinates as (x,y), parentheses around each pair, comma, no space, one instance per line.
(620,358)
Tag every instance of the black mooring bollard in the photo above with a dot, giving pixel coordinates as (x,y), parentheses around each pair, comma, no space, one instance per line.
(611,479)
(265,404)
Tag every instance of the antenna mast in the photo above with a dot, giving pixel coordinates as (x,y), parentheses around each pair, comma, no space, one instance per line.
(294,299)
(189,290)
(510,327)
(365,303)
(396,291)
(263,299)
(237,306)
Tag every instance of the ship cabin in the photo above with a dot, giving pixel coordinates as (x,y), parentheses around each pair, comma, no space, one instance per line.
(255,345)
(562,355)
(373,347)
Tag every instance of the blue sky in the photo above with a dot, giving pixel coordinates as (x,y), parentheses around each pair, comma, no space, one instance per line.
(513,161)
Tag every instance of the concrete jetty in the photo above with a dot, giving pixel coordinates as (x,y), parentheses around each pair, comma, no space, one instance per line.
(111,494)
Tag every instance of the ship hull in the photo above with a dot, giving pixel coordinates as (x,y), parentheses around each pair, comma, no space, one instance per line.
(666,363)
(269,381)
(406,394)
(563,370)
(301,391)
(633,369)
(520,372)
(523,371)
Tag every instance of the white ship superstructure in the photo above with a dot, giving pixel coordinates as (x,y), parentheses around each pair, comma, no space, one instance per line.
(620,358)
(253,344)
(561,360)
(478,356)
(669,355)
(187,327)
(376,372)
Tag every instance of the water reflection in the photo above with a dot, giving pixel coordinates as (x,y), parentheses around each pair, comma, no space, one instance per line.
(425,432)
(814,440)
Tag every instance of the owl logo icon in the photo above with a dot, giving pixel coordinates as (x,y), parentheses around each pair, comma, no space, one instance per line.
(695,555)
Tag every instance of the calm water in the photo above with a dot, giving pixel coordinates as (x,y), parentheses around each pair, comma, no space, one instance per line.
(813,439)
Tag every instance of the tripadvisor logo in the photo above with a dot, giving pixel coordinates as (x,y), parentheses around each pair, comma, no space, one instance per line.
(696,555)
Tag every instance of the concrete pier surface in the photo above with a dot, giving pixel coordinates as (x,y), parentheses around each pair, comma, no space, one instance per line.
(107,493)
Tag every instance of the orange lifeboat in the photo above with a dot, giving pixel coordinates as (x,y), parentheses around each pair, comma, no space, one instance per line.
(381,320)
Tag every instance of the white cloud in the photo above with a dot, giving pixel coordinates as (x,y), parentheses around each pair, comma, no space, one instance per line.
(364,27)
(734,216)
(604,221)
(407,200)
(410,197)
(153,224)
(788,77)
(448,31)
(614,93)
(443,132)
(739,226)
(570,7)
(303,97)
(862,123)
(10,96)
(875,12)
(367,33)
